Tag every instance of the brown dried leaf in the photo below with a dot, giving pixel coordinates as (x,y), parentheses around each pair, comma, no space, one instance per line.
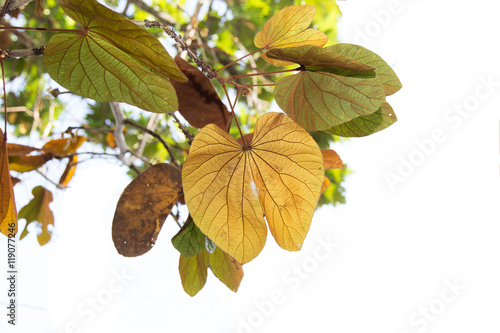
(331,159)
(199,103)
(143,207)
(8,211)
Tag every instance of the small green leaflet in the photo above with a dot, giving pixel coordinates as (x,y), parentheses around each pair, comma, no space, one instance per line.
(189,241)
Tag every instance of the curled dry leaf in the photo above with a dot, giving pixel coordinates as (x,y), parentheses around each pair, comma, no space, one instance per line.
(69,171)
(8,211)
(65,146)
(199,103)
(331,160)
(143,207)
(229,187)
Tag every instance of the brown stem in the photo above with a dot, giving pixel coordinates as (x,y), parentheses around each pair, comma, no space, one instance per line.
(184,130)
(235,61)
(266,73)
(41,29)
(171,33)
(238,91)
(156,135)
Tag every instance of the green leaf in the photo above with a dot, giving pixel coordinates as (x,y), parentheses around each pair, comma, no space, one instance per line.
(321,100)
(193,272)
(386,74)
(189,241)
(91,67)
(226,269)
(125,35)
(38,210)
(366,125)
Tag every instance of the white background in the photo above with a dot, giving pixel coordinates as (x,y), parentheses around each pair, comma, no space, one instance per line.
(397,249)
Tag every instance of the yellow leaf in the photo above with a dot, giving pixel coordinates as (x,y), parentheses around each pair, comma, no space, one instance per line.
(69,171)
(193,272)
(110,139)
(8,211)
(331,159)
(326,185)
(229,187)
(288,28)
(64,146)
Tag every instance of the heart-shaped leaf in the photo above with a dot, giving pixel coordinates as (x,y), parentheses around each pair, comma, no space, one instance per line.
(199,103)
(386,74)
(189,241)
(366,125)
(226,269)
(193,272)
(143,207)
(90,66)
(229,187)
(38,210)
(288,28)
(98,20)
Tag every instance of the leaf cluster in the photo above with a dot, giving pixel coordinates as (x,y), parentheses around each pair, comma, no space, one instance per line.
(269,172)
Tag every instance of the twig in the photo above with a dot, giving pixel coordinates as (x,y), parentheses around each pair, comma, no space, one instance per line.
(15,4)
(184,130)
(24,53)
(152,123)
(156,135)
(171,33)
(118,133)
(50,180)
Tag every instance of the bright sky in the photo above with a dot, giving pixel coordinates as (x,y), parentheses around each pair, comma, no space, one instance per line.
(415,249)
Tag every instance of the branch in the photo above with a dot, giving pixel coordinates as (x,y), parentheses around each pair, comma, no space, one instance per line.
(15,4)
(24,53)
(156,135)
(184,130)
(118,133)
(171,33)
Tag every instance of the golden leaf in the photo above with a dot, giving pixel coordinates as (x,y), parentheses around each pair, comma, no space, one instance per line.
(229,186)
(288,28)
